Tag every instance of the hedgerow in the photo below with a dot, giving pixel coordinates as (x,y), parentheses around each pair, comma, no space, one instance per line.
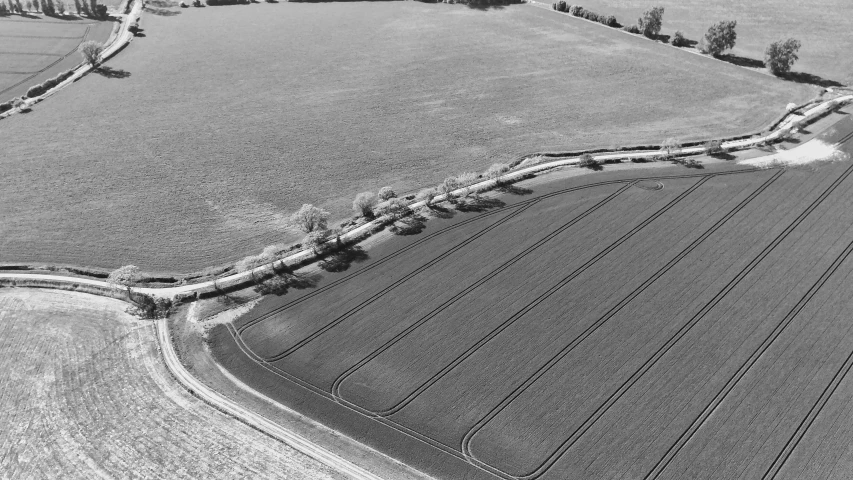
(42,88)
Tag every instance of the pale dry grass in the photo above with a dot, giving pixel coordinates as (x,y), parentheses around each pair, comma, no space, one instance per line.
(84,394)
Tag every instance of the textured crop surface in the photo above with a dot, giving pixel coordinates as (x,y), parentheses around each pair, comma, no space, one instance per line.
(85,395)
(34,49)
(822,25)
(686,325)
(196,154)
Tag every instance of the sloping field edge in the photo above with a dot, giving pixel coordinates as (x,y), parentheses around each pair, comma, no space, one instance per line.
(365,230)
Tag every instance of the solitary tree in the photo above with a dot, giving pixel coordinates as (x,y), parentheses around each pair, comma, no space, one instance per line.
(364,203)
(670,147)
(310,218)
(720,37)
(651,22)
(385,193)
(781,55)
(125,276)
(587,161)
(713,147)
(91,50)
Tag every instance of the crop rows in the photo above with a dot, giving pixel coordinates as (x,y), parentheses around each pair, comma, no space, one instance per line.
(621,334)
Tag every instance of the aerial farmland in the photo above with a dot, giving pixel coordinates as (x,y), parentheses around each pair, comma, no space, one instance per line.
(479,239)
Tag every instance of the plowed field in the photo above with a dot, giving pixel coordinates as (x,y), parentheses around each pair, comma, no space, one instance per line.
(84,394)
(686,325)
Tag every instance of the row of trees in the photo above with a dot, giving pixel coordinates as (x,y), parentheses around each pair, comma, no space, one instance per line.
(89,8)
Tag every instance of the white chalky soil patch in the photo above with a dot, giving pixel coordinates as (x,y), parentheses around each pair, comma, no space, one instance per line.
(810,152)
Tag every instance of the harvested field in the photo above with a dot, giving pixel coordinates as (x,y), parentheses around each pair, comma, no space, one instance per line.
(84,394)
(201,165)
(822,25)
(597,328)
(34,49)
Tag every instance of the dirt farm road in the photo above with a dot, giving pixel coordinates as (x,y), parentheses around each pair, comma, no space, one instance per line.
(253,420)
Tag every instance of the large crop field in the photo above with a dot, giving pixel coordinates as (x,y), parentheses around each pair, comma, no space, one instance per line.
(84,394)
(823,27)
(679,325)
(34,48)
(222,121)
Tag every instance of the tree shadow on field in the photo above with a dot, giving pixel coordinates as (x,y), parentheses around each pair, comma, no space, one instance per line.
(741,61)
(281,284)
(438,211)
(803,77)
(723,156)
(342,259)
(411,225)
(162,3)
(110,72)
(162,12)
(479,204)
(482,6)
(514,190)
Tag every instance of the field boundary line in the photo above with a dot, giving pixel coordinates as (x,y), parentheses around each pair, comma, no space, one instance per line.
(121,40)
(460,295)
(720,397)
(414,273)
(681,332)
(249,418)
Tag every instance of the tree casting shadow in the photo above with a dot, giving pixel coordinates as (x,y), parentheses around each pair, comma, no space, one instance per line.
(110,72)
(411,225)
(343,259)
(281,284)
(162,12)
(478,205)
(514,190)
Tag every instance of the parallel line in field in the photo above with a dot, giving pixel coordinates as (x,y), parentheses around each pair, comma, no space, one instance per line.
(61,58)
(483,280)
(559,285)
(699,421)
(32,54)
(381,293)
(810,418)
(458,225)
(618,307)
(354,408)
(678,335)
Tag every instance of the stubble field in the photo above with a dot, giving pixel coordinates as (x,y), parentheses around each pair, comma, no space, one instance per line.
(195,154)
(687,325)
(84,394)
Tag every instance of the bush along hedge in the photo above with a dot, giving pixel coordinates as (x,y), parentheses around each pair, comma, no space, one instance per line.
(42,88)
(580,12)
(226,2)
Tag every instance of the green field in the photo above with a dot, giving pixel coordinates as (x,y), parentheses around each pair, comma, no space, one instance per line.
(34,48)
(198,153)
(823,26)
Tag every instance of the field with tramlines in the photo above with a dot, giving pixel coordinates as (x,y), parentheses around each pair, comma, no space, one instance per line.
(688,324)
(35,48)
(84,394)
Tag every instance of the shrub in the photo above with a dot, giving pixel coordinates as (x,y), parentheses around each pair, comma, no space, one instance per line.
(310,218)
(561,6)
(608,20)
(720,37)
(385,193)
(395,209)
(5,107)
(576,10)
(364,203)
(586,161)
(60,7)
(496,171)
(651,22)
(448,186)
(466,179)
(29,5)
(780,56)
(713,147)
(85,6)
(91,50)
(591,16)
(100,11)
(631,29)
(669,148)
(554,6)
(316,240)
(426,195)
(678,39)
(3,9)
(152,308)
(35,91)
(78,8)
